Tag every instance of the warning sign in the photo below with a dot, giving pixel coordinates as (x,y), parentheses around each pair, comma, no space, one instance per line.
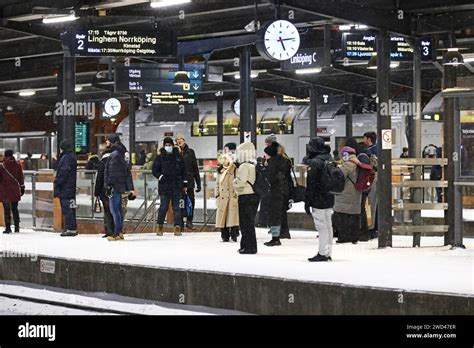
(386,139)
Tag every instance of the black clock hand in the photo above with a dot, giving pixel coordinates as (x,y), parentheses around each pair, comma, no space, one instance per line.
(282,44)
(290,38)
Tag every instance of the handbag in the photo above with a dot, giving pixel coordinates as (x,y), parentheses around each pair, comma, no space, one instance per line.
(97,205)
(298,191)
(11,176)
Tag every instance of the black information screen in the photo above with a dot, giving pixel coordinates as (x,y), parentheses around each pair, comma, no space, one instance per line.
(127,43)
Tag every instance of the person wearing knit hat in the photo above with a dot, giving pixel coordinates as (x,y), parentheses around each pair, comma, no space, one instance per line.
(347,204)
(192,175)
(248,199)
(277,172)
(65,187)
(270,139)
(113,138)
(169,169)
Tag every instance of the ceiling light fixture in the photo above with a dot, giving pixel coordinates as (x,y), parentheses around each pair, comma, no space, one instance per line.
(60,19)
(372,64)
(27,93)
(453,57)
(253,75)
(348,27)
(307,71)
(166,3)
(181,76)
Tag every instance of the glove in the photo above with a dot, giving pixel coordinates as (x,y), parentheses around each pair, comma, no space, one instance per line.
(22,190)
(109,192)
(198,188)
(131,196)
(307,208)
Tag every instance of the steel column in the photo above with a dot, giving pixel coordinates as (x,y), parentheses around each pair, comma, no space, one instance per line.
(384,183)
(313,112)
(67,124)
(245,91)
(349,126)
(458,206)
(131,129)
(220,122)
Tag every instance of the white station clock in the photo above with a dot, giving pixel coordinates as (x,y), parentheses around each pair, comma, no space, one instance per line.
(112,106)
(278,40)
(236,107)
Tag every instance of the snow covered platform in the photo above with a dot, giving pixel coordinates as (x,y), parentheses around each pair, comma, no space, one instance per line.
(198,269)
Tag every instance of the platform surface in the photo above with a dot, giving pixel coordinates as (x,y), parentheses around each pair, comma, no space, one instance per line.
(431,268)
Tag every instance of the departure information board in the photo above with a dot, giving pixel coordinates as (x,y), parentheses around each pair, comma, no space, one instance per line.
(125,43)
(166,98)
(82,137)
(364,46)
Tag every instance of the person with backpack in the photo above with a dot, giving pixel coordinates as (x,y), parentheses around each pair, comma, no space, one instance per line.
(347,204)
(12,187)
(227,216)
(277,172)
(65,187)
(319,200)
(244,183)
(100,192)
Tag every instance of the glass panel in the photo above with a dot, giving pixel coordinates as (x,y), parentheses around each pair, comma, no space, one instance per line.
(25,206)
(43,199)
(9,144)
(85,193)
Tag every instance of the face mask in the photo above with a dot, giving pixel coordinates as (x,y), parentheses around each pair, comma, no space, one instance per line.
(169,149)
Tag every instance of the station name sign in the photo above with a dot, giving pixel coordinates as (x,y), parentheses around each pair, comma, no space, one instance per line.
(364,46)
(166,98)
(125,43)
(304,59)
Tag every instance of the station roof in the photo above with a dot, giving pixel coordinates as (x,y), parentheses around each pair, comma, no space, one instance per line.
(38,45)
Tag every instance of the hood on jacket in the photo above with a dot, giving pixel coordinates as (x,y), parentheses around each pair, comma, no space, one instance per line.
(316,147)
(149,157)
(119,147)
(246,153)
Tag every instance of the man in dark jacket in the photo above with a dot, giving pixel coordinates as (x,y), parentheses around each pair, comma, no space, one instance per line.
(192,174)
(319,201)
(277,173)
(169,169)
(65,187)
(116,179)
(100,192)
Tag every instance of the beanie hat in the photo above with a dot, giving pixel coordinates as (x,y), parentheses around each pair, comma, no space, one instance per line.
(346,150)
(113,138)
(180,136)
(272,149)
(9,153)
(270,139)
(246,152)
(64,145)
(168,140)
(231,146)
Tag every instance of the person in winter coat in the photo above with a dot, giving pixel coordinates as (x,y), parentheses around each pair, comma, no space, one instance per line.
(170,170)
(262,211)
(227,217)
(65,187)
(117,181)
(93,163)
(277,173)
(141,158)
(248,199)
(319,201)
(285,230)
(100,192)
(347,204)
(148,162)
(12,187)
(192,174)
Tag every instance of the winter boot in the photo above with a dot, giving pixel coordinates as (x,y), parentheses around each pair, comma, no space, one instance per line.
(17,229)
(274,242)
(225,234)
(319,258)
(7,229)
(160,230)
(247,251)
(190,226)
(121,236)
(113,238)
(177,230)
(69,233)
(234,233)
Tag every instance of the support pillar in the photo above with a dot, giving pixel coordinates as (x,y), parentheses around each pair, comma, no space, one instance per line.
(414,148)
(245,92)
(131,130)
(67,124)
(384,182)
(313,112)
(458,204)
(220,122)
(349,126)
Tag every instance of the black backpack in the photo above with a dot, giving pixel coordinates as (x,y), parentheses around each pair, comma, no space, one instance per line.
(332,178)
(262,184)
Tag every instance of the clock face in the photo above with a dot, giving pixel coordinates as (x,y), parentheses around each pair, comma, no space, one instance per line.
(279,40)
(112,106)
(236,107)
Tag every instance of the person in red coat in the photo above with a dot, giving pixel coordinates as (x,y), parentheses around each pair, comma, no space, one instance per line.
(12,187)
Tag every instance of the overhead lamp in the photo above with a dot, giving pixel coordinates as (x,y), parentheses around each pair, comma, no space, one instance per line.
(253,75)
(60,19)
(181,76)
(166,3)
(308,71)
(78,88)
(372,63)
(347,27)
(453,57)
(27,93)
